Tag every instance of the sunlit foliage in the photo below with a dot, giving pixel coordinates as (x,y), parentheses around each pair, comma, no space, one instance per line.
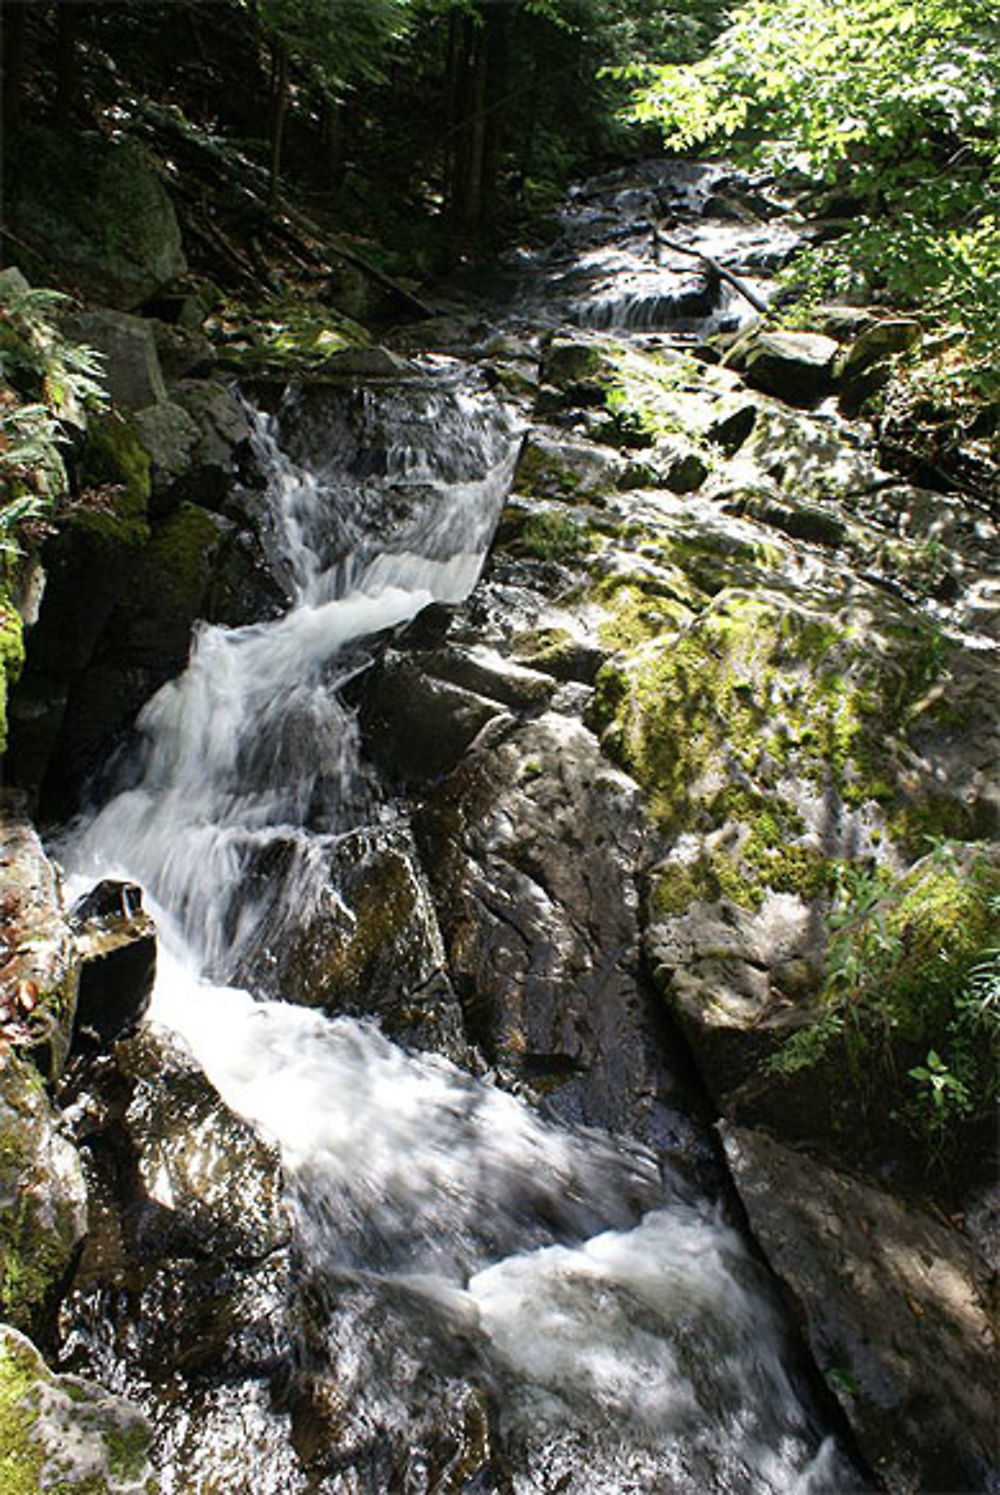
(893,104)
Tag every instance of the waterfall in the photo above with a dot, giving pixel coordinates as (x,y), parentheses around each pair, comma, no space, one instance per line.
(251,750)
(625,1334)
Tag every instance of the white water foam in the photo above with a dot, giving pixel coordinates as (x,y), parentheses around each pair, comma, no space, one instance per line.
(652,1343)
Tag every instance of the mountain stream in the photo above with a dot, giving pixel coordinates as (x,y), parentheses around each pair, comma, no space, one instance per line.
(613,1326)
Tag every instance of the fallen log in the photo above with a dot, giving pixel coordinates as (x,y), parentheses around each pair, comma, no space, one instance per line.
(728,276)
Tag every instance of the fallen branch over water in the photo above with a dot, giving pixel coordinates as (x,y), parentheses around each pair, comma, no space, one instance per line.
(729,276)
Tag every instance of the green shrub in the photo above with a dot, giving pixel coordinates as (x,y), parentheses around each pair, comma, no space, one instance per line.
(913,974)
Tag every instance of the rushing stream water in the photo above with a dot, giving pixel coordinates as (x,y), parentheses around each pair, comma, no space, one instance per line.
(627,1340)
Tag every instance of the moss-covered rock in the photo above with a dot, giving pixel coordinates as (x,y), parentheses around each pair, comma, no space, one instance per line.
(544,534)
(665,397)
(170,582)
(558,652)
(42,1198)
(89,561)
(372,949)
(115,455)
(759,689)
(65,1435)
(42,1192)
(557,467)
(280,337)
(92,210)
(785,745)
(572,360)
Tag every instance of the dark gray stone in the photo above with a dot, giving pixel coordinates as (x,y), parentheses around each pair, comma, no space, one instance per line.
(132,372)
(890,1301)
(794,366)
(116,945)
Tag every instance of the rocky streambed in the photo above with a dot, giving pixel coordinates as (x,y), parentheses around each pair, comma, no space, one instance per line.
(530,1095)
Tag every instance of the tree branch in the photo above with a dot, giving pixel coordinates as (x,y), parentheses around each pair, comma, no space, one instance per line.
(728,276)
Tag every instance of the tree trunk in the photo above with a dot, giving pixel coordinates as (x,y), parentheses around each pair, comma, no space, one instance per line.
(67,80)
(476,96)
(12,14)
(279,107)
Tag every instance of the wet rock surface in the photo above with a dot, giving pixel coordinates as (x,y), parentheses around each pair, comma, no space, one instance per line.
(533,846)
(838,745)
(892,1304)
(181,1294)
(115,943)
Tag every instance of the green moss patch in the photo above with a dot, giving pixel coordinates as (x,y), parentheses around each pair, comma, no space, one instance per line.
(647,396)
(639,608)
(64,1435)
(544,535)
(11,658)
(41,1196)
(280,336)
(758,689)
(168,587)
(117,465)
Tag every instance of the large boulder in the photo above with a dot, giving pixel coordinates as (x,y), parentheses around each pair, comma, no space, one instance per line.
(421,710)
(207,1183)
(865,366)
(93,213)
(890,1301)
(794,366)
(182,1292)
(532,847)
(131,365)
(796,758)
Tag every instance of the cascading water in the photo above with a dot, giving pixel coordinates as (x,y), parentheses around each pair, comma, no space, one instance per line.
(620,261)
(622,1337)
(251,748)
